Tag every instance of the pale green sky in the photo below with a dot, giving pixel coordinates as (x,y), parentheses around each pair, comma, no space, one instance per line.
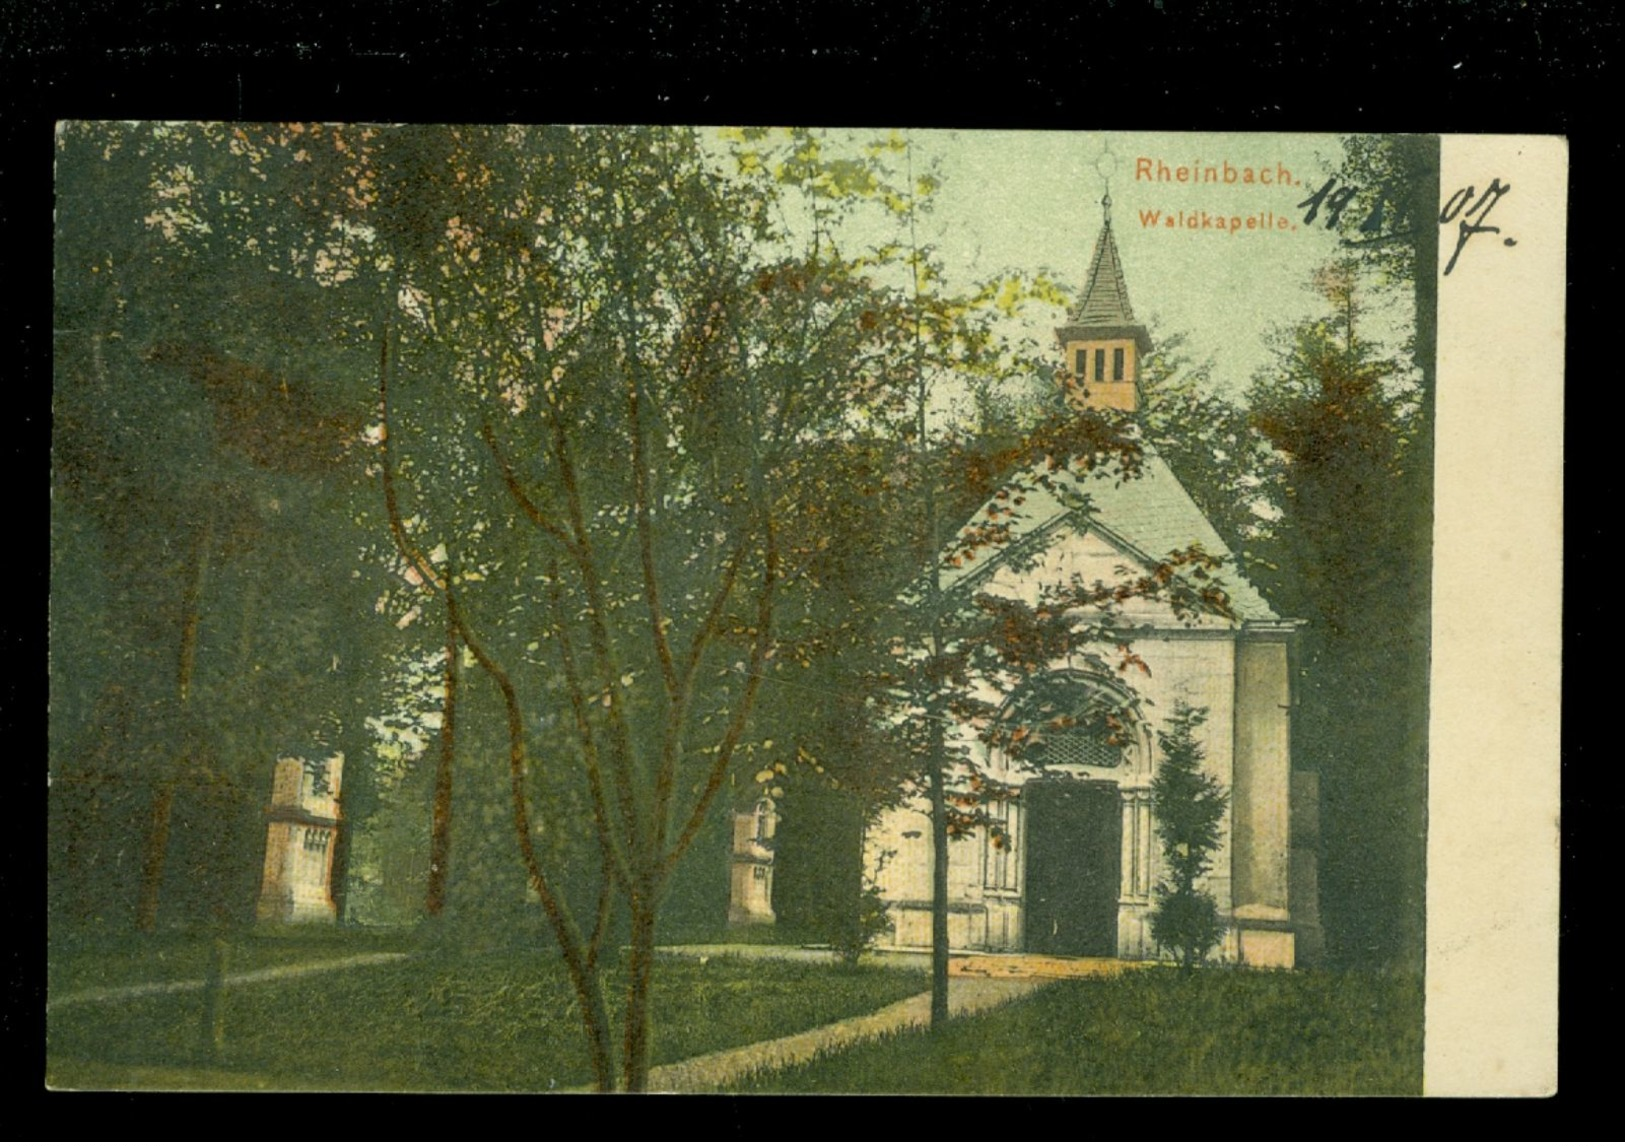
(1020,200)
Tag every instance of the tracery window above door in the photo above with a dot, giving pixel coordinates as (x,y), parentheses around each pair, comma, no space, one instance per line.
(1063,721)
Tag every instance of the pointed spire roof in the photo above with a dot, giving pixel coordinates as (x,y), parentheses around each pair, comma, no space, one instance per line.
(1104,301)
(1103,310)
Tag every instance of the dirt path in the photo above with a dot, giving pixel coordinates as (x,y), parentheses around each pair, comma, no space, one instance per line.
(722,1068)
(979,982)
(263,975)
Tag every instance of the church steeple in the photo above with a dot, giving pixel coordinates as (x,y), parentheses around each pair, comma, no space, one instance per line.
(1102,344)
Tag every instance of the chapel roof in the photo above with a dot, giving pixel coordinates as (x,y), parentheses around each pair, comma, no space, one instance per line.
(1150,516)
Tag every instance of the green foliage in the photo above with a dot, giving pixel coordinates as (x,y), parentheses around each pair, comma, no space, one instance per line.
(1364,712)
(1186,923)
(1209,441)
(609,370)
(857,929)
(1391,231)
(1188,808)
(1152,1032)
(201,469)
(818,862)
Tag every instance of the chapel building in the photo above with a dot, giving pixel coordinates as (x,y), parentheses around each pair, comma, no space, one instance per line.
(1081,861)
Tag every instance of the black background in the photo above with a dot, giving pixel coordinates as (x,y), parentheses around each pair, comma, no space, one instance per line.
(1526,66)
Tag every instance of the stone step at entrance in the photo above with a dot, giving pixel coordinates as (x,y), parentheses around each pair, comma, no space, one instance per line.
(1028,966)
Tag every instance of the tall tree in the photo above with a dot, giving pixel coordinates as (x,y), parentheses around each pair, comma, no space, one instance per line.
(1208,439)
(1398,240)
(597,424)
(199,469)
(1343,417)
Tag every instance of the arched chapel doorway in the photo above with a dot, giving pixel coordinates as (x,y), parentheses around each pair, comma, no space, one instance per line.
(1082,743)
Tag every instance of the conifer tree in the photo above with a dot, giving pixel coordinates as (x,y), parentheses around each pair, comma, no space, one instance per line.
(1189,807)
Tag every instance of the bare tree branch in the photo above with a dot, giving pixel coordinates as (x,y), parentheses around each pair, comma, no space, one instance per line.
(526,504)
(742,710)
(589,748)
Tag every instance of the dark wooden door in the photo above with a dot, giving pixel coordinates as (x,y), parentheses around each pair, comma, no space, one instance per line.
(1074,850)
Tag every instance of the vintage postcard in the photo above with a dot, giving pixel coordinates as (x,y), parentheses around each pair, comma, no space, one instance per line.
(548,608)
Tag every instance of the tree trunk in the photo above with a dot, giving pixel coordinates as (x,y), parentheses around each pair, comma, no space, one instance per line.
(339,877)
(635,1059)
(163,802)
(212,1021)
(152,864)
(939,883)
(440,826)
(932,561)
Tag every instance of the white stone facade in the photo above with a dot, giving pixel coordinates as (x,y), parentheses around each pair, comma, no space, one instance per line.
(296,883)
(1236,670)
(750,883)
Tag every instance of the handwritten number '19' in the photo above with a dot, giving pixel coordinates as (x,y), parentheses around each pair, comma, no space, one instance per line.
(1337,201)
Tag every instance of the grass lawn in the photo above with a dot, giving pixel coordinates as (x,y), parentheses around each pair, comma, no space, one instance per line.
(1153,1032)
(80,965)
(499,1021)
